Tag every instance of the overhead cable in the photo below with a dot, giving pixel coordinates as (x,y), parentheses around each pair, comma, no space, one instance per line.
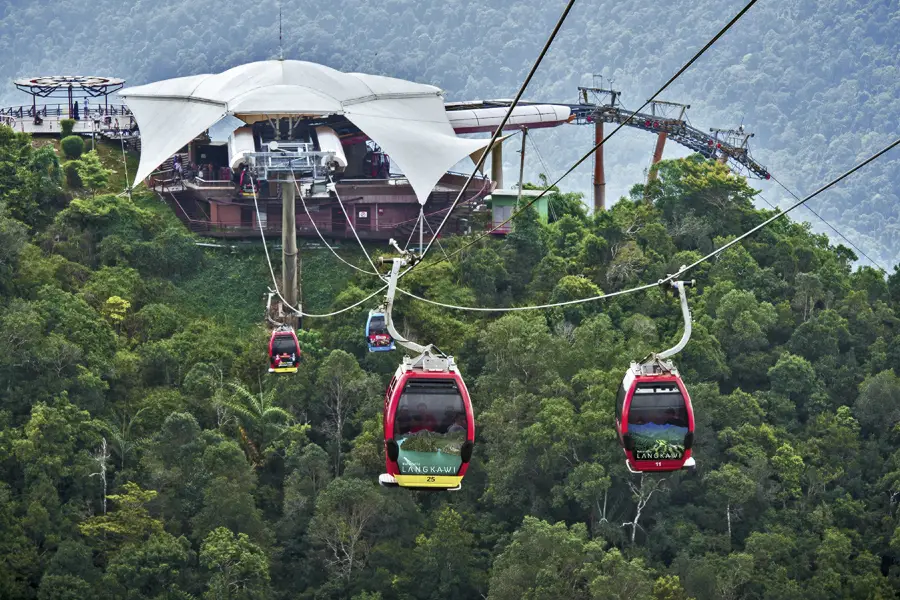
(828,185)
(833,228)
(680,71)
(500,127)
(333,188)
(275,279)
(681,271)
(319,233)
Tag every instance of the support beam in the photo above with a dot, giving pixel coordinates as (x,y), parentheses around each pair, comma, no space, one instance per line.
(497,165)
(521,168)
(421,229)
(289,285)
(657,156)
(599,175)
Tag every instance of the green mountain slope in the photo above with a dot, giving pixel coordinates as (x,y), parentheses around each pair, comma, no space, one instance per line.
(146,453)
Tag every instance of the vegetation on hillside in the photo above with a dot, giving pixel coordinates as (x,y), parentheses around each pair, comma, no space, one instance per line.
(145,454)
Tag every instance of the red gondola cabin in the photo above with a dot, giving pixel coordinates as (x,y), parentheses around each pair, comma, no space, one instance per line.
(429,428)
(655,421)
(284,351)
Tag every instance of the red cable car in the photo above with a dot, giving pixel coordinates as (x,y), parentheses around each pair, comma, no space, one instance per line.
(429,428)
(377,164)
(654,419)
(284,351)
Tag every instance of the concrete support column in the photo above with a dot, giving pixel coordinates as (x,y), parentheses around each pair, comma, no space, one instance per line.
(497,165)
(290,287)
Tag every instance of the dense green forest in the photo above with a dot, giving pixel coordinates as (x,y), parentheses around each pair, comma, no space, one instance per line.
(816,81)
(146,454)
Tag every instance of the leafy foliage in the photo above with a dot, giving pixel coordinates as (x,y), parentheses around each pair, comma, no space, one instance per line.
(145,453)
(72,146)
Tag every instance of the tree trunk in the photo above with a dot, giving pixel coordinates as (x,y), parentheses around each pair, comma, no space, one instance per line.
(338,440)
(728,517)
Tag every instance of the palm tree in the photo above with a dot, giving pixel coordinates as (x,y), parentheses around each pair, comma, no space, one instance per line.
(255,415)
(119,430)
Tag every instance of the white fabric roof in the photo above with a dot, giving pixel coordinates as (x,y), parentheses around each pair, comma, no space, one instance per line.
(406,119)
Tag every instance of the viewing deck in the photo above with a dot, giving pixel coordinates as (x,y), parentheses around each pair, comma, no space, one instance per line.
(113,121)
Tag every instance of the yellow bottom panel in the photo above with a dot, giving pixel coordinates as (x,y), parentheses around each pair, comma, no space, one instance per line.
(428,481)
(283,370)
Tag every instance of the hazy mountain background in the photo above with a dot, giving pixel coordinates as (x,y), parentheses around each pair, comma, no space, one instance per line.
(816,81)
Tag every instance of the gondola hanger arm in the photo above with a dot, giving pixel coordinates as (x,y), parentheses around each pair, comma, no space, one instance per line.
(686,313)
(388,318)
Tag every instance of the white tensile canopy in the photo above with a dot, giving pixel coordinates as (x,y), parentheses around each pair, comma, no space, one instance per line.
(406,119)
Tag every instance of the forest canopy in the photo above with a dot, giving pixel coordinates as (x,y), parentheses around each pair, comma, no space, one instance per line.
(145,453)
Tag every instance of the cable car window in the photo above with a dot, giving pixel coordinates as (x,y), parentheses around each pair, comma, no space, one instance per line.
(283,345)
(658,421)
(377,326)
(430,428)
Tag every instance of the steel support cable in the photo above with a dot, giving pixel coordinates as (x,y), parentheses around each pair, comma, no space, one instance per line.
(680,71)
(321,237)
(411,234)
(546,173)
(333,251)
(440,245)
(333,188)
(801,202)
(275,280)
(833,228)
(500,127)
(681,271)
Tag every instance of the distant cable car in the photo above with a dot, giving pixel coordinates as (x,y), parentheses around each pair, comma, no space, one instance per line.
(654,420)
(654,417)
(284,351)
(377,165)
(246,184)
(429,428)
(377,336)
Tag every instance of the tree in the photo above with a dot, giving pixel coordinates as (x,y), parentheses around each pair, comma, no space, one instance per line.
(642,492)
(129,523)
(344,387)
(72,171)
(92,173)
(159,567)
(258,417)
(878,405)
(789,469)
(621,579)
(72,146)
(734,487)
(524,248)
(114,310)
(228,494)
(668,587)
(574,288)
(345,511)
(445,561)
(239,569)
(66,126)
(542,562)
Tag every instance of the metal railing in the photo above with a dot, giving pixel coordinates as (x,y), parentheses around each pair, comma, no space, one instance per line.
(61,111)
(200,183)
(302,162)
